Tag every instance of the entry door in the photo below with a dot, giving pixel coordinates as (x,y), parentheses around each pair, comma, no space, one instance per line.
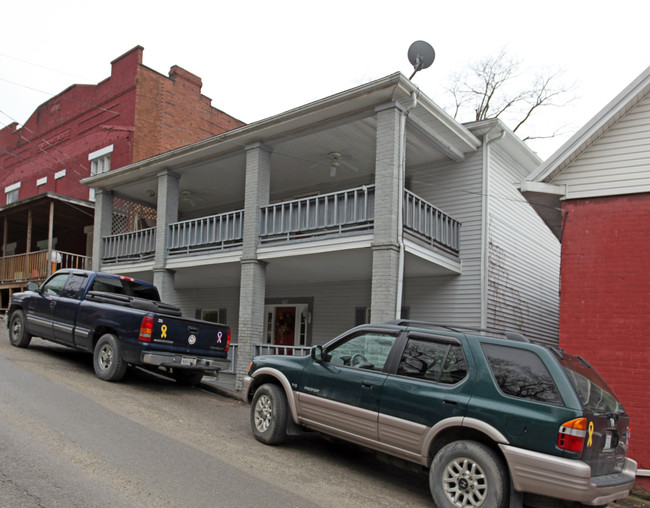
(285,326)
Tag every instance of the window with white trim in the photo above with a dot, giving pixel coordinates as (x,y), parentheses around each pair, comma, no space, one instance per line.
(11,193)
(100,162)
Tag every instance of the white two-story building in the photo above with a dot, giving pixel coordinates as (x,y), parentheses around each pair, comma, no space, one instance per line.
(364,206)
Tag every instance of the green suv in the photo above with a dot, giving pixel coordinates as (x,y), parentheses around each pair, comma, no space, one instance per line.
(493,416)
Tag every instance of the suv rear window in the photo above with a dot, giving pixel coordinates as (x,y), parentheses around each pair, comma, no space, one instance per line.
(521,373)
(592,389)
(433,361)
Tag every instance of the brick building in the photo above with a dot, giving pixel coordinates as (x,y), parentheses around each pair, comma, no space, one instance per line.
(594,193)
(85,130)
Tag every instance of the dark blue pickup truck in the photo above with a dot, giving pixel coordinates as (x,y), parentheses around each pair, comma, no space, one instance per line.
(121,321)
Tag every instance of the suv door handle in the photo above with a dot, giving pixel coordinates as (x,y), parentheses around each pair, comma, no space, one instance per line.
(367,384)
(449,401)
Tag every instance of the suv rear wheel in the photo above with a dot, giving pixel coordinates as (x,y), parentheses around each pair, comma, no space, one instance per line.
(468,473)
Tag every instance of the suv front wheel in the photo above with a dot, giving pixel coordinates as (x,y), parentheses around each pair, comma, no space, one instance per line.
(468,473)
(269,414)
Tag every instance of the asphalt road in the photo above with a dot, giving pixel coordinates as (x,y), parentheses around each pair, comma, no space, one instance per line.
(68,439)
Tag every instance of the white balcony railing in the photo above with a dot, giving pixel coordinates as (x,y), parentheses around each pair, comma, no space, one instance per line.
(428,224)
(334,214)
(128,247)
(329,215)
(213,233)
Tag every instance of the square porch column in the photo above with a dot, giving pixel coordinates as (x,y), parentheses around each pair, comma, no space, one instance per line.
(167,213)
(253,271)
(103,224)
(387,263)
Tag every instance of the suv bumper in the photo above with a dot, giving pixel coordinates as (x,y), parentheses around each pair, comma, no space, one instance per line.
(539,473)
(184,361)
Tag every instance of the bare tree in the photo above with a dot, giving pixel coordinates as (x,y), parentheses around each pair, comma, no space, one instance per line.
(495,87)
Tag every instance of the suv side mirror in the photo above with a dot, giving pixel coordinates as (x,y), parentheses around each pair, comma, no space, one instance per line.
(317,354)
(32,286)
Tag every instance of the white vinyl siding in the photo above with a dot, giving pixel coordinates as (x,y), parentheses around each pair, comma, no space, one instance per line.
(617,163)
(455,189)
(523,259)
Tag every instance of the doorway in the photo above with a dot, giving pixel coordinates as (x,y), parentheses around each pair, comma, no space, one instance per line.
(288,323)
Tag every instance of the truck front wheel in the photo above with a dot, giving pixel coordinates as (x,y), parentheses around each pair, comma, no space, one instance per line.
(18,335)
(107,359)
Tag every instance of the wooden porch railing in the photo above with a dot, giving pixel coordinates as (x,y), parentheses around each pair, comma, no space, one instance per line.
(35,266)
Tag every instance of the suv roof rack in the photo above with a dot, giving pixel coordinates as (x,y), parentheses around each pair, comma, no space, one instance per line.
(510,335)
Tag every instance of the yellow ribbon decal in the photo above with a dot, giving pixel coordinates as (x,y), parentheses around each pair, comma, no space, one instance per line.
(163,335)
(591,433)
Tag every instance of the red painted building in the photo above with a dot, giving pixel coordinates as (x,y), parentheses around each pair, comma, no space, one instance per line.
(594,193)
(133,114)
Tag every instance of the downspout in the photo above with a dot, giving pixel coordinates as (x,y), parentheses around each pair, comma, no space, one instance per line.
(485,240)
(400,203)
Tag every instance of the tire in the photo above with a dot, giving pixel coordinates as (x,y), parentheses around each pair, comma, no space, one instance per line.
(468,473)
(187,377)
(18,335)
(269,414)
(107,358)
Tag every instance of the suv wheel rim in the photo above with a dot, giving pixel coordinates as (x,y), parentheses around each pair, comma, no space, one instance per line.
(263,413)
(464,482)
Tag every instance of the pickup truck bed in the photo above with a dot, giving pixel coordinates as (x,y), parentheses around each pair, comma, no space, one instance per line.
(121,321)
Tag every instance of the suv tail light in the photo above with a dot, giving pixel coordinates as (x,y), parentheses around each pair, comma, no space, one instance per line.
(146,329)
(572,435)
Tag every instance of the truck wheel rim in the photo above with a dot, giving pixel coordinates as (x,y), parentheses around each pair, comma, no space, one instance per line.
(263,413)
(105,357)
(464,483)
(17,329)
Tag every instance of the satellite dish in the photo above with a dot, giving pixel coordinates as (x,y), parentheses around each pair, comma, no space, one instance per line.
(421,55)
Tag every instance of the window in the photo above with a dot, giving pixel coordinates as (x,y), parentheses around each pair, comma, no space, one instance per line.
(521,373)
(100,162)
(433,361)
(54,286)
(11,193)
(367,350)
(74,286)
(214,316)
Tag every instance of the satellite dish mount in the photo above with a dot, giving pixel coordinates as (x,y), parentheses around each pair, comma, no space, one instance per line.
(421,55)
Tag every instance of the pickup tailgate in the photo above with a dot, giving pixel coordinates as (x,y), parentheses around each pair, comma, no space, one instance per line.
(190,337)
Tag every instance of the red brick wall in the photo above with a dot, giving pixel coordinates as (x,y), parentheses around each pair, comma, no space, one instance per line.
(139,111)
(171,112)
(605,300)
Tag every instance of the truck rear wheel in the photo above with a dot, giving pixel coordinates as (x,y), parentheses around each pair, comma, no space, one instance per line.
(18,335)
(107,359)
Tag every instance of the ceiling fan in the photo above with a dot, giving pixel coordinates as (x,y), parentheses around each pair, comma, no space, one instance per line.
(335,160)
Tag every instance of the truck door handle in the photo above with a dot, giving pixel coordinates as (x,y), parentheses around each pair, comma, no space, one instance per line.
(449,401)
(52,304)
(192,329)
(366,384)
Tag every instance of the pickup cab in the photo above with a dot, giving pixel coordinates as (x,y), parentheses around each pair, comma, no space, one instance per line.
(121,321)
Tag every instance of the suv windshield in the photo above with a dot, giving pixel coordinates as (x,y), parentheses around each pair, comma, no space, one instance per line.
(592,389)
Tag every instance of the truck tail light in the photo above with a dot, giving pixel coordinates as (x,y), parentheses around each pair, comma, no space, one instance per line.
(228,341)
(146,329)
(572,435)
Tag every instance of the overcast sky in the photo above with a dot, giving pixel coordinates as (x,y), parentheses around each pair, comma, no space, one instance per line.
(261,58)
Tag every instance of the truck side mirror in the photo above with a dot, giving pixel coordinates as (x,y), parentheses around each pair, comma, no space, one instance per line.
(32,286)
(317,354)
